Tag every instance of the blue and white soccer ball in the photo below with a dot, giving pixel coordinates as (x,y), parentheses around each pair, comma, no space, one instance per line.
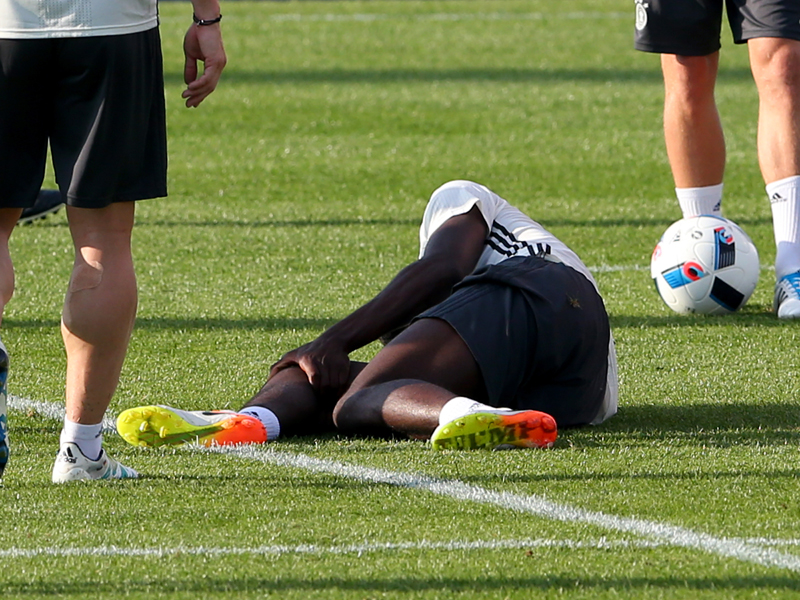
(706,265)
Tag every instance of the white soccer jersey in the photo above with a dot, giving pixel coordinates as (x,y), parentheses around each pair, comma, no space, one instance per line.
(36,19)
(511,233)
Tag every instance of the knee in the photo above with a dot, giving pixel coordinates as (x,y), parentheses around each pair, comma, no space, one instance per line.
(354,414)
(690,80)
(775,63)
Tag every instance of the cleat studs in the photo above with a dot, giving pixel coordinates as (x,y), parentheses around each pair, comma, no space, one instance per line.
(145,426)
(130,417)
(163,432)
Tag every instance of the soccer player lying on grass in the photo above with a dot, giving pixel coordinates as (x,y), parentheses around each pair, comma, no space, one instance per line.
(504,337)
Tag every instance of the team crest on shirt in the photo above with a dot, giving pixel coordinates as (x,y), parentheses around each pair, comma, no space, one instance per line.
(641,14)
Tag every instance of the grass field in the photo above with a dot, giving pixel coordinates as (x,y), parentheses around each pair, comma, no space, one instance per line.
(295,194)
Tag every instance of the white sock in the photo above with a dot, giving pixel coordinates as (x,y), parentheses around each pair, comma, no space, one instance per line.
(697,201)
(784,197)
(460,406)
(89,438)
(268,418)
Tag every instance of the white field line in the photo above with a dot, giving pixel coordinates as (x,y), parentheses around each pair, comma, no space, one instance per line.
(533,504)
(673,535)
(51,410)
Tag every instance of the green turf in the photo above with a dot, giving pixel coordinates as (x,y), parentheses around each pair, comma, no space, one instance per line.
(295,194)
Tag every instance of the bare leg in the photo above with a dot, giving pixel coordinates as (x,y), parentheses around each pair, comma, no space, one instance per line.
(99,308)
(402,390)
(775,63)
(8,220)
(300,409)
(692,128)
(776,69)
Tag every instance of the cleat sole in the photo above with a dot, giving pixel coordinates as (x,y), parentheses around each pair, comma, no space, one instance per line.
(494,431)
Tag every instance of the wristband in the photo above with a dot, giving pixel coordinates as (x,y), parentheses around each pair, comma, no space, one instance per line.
(204,22)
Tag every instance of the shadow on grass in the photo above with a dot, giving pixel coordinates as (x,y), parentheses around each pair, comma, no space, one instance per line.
(178,324)
(236,76)
(371,586)
(759,421)
(601,223)
(752,315)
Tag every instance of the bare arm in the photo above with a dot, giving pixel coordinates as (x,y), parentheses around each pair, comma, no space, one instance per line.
(451,254)
(203,43)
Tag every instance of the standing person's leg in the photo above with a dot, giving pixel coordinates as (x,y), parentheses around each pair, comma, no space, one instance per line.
(686,33)
(25,85)
(693,132)
(775,63)
(97,321)
(8,219)
(99,308)
(108,145)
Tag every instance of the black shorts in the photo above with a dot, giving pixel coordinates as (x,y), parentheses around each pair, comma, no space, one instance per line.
(692,27)
(539,333)
(99,101)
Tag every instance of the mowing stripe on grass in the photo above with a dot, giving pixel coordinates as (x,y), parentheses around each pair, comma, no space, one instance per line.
(479,16)
(599,544)
(533,504)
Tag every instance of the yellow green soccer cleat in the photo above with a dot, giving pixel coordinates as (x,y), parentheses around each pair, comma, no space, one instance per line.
(494,430)
(163,425)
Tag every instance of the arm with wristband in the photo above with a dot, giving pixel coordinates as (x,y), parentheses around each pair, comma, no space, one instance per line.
(203,42)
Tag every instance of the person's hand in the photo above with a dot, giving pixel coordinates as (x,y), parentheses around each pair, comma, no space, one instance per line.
(202,44)
(325,363)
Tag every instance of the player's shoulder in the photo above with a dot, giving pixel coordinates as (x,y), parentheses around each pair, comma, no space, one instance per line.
(463,194)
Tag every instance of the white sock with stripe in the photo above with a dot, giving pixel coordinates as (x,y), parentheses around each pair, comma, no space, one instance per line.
(784,198)
(697,201)
(89,438)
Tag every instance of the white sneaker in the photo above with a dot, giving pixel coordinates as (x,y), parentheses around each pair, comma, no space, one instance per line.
(72,465)
(787,296)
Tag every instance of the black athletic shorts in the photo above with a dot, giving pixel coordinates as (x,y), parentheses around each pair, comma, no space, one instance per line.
(539,333)
(99,101)
(692,27)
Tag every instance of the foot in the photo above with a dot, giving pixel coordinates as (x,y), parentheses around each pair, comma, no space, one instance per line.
(72,465)
(4,451)
(164,425)
(495,430)
(47,202)
(787,296)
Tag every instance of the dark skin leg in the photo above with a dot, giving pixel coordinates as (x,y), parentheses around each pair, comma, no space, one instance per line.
(300,409)
(402,390)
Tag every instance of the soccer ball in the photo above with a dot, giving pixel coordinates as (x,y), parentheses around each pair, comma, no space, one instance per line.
(706,265)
